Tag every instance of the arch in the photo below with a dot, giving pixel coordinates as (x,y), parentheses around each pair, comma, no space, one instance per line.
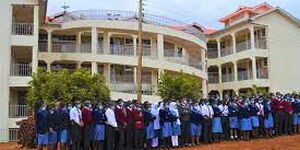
(213,74)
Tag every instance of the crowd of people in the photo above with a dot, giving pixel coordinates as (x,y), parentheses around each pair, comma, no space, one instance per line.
(128,125)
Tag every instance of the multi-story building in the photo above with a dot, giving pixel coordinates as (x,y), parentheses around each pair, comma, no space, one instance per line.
(104,42)
(258,47)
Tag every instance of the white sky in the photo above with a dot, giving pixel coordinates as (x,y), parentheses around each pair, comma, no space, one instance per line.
(204,12)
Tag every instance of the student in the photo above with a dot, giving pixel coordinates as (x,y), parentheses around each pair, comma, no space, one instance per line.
(122,120)
(223,106)
(207,113)
(54,124)
(176,129)
(260,115)
(111,126)
(87,120)
(246,125)
(99,119)
(233,120)
(155,108)
(195,123)
(216,123)
(149,124)
(254,118)
(185,123)
(41,125)
(268,118)
(138,117)
(296,114)
(130,129)
(64,117)
(166,123)
(76,126)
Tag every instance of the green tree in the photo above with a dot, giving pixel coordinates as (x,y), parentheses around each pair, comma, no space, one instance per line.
(179,87)
(67,86)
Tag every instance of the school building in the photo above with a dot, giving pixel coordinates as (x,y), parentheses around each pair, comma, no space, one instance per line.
(259,46)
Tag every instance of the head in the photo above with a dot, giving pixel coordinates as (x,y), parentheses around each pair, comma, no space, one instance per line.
(88,104)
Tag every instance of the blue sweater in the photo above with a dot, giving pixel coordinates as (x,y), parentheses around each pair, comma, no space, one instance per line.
(41,123)
(98,116)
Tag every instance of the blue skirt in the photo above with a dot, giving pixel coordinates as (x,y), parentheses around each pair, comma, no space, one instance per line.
(176,130)
(52,138)
(42,139)
(246,124)
(268,122)
(255,121)
(167,129)
(298,119)
(233,122)
(98,132)
(63,136)
(150,133)
(195,129)
(217,125)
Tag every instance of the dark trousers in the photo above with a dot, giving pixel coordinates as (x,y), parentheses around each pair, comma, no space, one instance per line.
(76,136)
(87,136)
(139,137)
(185,133)
(289,126)
(261,125)
(129,135)
(225,126)
(110,137)
(280,122)
(120,145)
(207,131)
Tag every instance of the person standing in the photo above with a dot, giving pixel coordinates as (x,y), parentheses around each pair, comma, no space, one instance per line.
(254,118)
(246,125)
(207,113)
(166,123)
(87,120)
(223,106)
(111,126)
(121,116)
(99,119)
(268,118)
(76,126)
(233,120)
(184,111)
(64,117)
(139,128)
(260,115)
(195,123)
(41,125)
(54,124)
(149,124)
(155,108)
(217,129)
(176,124)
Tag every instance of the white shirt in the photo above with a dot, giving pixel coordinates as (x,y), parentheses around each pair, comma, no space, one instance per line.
(261,109)
(76,115)
(207,111)
(224,109)
(111,118)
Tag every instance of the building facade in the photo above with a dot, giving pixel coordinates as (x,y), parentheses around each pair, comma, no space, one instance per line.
(103,42)
(258,47)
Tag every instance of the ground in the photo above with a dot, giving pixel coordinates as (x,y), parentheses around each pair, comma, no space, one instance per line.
(279,143)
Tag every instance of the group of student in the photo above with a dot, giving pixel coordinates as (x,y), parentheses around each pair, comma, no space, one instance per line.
(128,125)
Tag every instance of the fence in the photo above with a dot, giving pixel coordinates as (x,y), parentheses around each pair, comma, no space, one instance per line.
(242,46)
(22,28)
(123,50)
(212,53)
(243,75)
(18,111)
(20,70)
(131,88)
(64,47)
(227,77)
(226,51)
(213,78)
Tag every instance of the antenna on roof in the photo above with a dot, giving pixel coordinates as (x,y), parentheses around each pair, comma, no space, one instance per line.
(65,6)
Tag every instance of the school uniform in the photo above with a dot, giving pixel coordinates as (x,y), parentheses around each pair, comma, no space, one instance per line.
(166,119)
(87,120)
(207,113)
(156,125)
(280,115)
(185,124)
(176,124)
(268,116)
(122,120)
(139,127)
(41,126)
(75,130)
(216,122)
(149,124)
(233,117)
(246,124)
(195,122)
(260,115)
(54,123)
(111,126)
(296,117)
(253,115)
(224,119)
(63,134)
(99,119)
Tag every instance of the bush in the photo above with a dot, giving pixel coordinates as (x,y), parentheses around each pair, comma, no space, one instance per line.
(26,133)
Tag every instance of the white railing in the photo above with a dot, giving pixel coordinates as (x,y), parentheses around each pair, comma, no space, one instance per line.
(262,74)
(100,49)
(195,62)
(178,60)
(20,70)
(131,88)
(22,28)
(149,52)
(242,46)
(213,78)
(18,111)
(212,53)
(64,47)
(43,47)
(226,51)
(10,135)
(227,77)
(261,43)
(243,75)
(123,50)
(85,48)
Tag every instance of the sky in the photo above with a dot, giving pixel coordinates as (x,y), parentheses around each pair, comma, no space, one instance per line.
(204,12)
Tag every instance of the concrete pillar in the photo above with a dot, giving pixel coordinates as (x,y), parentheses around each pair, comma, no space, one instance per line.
(252,36)
(160,46)
(135,75)
(36,37)
(221,94)
(106,42)
(106,72)
(219,47)
(135,46)
(254,69)
(78,41)
(49,48)
(235,71)
(94,67)
(154,80)
(78,64)
(94,40)
(220,73)
(233,43)
(204,88)
(160,72)
(184,56)
(203,59)
(48,66)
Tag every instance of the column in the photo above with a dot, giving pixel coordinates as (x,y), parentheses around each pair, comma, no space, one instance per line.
(78,64)
(35,34)
(203,59)
(49,48)
(254,71)
(135,45)
(220,73)
(233,43)
(49,66)
(204,88)
(106,72)
(94,40)
(154,80)
(184,56)
(160,72)
(94,67)
(235,71)
(219,47)
(135,75)
(252,37)
(78,41)
(106,42)
(160,46)
(221,94)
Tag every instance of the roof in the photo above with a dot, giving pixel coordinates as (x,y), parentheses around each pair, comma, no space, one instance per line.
(209,30)
(260,8)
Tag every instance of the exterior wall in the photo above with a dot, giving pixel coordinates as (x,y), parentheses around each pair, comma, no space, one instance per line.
(5,47)
(284,45)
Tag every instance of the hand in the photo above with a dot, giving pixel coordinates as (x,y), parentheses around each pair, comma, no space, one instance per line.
(51,130)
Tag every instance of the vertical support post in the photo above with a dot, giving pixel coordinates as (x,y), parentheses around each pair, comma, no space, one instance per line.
(204,88)
(140,54)
(78,41)
(94,40)
(233,43)
(219,48)
(49,46)
(135,45)
(94,67)
(220,73)
(254,69)
(252,37)
(160,46)
(35,33)
(235,71)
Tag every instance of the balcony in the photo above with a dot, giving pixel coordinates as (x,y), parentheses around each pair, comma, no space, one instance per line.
(123,50)
(262,74)
(243,75)
(212,53)
(64,47)
(261,43)
(18,111)
(85,48)
(213,78)
(227,77)
(131,88)
(242,46)
(20,70)
(43,47)
(226,51)
(100,49)
(22,28)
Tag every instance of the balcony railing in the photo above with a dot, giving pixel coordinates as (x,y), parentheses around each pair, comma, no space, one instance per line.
(131,88)
(178,60)
(22,28)
(20,70)
(226,51)
(43,47)
(227,77)
(85,48)
(64,47)
(242,46)
(213,78)
(262,74)
(100,49)
(123,50)
(212,53)
(243,75)
(18,111)
(261,43)
(196,63)
(10,134)
(149,52)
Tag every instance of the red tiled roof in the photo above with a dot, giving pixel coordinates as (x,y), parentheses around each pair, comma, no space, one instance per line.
(209,30)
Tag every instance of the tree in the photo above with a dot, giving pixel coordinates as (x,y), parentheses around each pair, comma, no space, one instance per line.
(66,86)
(179,87)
